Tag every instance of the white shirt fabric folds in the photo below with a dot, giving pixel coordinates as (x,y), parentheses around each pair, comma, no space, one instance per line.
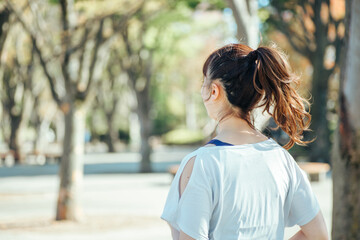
(250,191)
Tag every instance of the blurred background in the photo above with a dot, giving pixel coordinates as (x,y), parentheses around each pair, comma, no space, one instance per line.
(101,98)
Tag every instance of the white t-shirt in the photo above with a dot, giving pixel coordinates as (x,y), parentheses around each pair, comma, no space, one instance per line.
(250,191)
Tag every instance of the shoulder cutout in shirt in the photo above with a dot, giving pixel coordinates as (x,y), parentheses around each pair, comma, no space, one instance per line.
(186,174)
(184,179)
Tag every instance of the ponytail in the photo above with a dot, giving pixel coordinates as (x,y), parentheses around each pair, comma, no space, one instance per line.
(249,76)
(275,77)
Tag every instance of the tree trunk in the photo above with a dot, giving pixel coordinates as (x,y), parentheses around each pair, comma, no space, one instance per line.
(145,129)
(247,22)
(15,121)
(59,127)
(320,148)
(71,168)
(134,131)
(346,158)
(110,142)
(112,134)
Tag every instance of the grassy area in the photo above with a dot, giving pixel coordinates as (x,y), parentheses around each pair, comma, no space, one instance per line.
(183,136)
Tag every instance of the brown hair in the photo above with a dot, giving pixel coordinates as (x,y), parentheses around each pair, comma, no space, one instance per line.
(249,76)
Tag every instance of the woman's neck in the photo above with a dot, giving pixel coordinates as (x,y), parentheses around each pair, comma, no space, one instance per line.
(230,128)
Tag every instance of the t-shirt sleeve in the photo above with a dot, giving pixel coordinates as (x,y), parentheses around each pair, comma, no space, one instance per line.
(303,202)
(192,212)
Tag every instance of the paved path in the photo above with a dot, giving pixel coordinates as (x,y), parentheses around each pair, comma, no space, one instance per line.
(115,206)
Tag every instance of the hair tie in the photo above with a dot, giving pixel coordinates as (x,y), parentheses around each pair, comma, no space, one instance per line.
(253,55)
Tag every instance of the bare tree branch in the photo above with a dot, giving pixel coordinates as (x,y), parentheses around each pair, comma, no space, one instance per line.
(98,41)
(240,14)
(66,6)
(51,80)
(4,18)
(39,22)
(38,51)
(82,42)
(306,34)
(115,100)
(292,37)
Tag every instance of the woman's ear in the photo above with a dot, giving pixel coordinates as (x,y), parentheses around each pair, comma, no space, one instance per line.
(215,91)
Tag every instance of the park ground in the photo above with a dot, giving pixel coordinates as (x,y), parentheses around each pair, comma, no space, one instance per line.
(117,202)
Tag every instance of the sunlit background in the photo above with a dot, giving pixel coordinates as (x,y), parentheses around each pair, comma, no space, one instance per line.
(100,98)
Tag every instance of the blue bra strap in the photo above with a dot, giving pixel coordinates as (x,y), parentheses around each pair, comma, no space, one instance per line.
(219,143)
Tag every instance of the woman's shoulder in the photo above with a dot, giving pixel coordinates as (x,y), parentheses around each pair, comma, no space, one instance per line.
(215,155)
(200,157)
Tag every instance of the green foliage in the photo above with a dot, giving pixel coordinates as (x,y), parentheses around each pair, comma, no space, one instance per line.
(53,1)
(213,4)
(183,136)
(263,14)
(171,35)
(124,135)
(164,122)
(178,57)
(165,18)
